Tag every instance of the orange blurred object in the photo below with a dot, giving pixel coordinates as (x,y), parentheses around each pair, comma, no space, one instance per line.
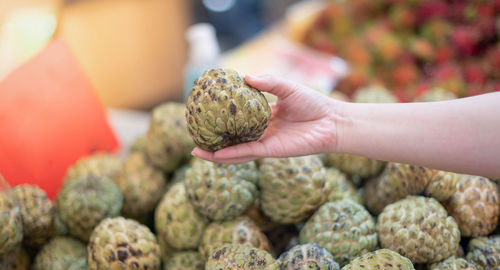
(49,117)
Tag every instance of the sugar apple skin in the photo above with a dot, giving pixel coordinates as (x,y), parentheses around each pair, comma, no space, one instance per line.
(80,264)
(221,191)
(139,144)
(177,222)
(141,184)
(98,164)
(119,243)
(185,260)
(307,256)
(59,254)
(37,212)
(240,257)
(436,94)
(442,185)
(291,189)
(11,225)
(484,252)
(168,143)
(22,261)
(82,204)
(356,167)
(222,110)
(374,94)
(340,187)
(385,259)
(475,206)
(241,231)
(452,263)
(344,228)
(418,228)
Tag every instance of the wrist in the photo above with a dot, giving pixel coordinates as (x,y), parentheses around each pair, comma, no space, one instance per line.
(341,124)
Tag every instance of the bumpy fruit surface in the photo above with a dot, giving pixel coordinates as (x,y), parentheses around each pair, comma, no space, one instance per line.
(222,110)
(167,140)
(80,264)
(59,254)
(292,188)
(11,226)
(307,256)
(241,231)
(255,213)
(357,167)
(374,94)
(185,260)
(119,243)
(475,206)
(436,94)
(99,164)
(141,184)
(239,257)
(22,261)
(37,212)
(139,144)
(452,263)
(380,259)
(177,223)
(340,188)
(221,191)
(418,228)
(82,204)
(344,228)
(484,252)
(442,185)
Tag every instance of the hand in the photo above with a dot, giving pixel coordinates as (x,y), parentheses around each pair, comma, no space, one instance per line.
(302,122)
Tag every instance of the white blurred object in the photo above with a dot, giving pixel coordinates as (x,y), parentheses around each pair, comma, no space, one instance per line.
(127,126)
(219,5)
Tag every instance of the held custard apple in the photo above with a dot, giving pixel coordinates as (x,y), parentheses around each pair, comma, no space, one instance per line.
(11,225)
(82,204)
(185,260)
(119,243)
(344,228)
(452,263)
(241,257)
(241,231)
(385,259)
(37,212)
(98,164)
(307,256)
(418,228)
(222,110)
(221,191)
(177,222)
(291,189)
(484,252)
(168,143)
(59,254)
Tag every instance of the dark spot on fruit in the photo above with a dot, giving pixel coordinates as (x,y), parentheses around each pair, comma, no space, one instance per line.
(232,108)
(122,255)
(198,110)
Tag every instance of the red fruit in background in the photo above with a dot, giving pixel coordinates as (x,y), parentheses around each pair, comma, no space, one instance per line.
(465,39)
(443,54)
(402,17)
(474,73)
(422,49)
(449,77)
(320,40)
(405,74)
(353,81)
(354,51)
(437,31)
(491,62)
(431,9)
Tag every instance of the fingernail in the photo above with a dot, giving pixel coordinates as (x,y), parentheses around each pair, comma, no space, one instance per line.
(252,77)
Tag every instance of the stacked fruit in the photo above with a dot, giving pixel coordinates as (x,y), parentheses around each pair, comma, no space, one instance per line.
(412,46)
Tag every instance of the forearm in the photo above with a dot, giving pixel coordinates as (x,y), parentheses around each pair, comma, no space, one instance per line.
(461,135)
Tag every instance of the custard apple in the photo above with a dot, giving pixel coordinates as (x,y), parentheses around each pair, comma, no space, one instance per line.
(307,256)
(185,260)
(344,228)
(382,259)
(119,243)
(452,263)
(340,188)
(11,225)
(22,261)
(168,143)
(37,212)
(80,264)
(222,110)
(418,228)
(177,222)
(98,164)
(139,144)
(240,257)
(60,229)
(141,184)
(356,167)
(484,252)
(374,94)
(475,206)
(291,189)
(82,204)
(221,191)
(241,231)
(442,185)
(255,213)
(59,254)
(436,94)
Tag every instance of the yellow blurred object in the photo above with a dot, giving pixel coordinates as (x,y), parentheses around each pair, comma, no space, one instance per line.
(133,51)
(301,16)
(26,26)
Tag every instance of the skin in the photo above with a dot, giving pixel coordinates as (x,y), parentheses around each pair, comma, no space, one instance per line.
(460,135)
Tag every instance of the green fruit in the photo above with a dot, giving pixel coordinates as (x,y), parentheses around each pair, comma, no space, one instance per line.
(82,204)
(99,164)
(221,191)
(119,243)
(340,188)
(222,110)
(357,167)
(185,260)
(385,259)
(11,226)
(241,231)
(22,261)
(239,257)
(60,228)
(37,212)
(177,222)
(168,143)
(418,228)
(307,256)
(344,228)
(436,94)
(292,188)
(139,144)
(80,264)
(442,185)
(452,263)
(59,254)
(374,94)
(141,184)
(484,252)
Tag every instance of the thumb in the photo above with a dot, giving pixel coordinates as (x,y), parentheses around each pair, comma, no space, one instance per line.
(272,84)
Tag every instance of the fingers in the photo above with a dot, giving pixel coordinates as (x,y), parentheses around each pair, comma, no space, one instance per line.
(250,149)
(198,152)
(274,85)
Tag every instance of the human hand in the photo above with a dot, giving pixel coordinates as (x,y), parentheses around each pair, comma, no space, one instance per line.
(302,122)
